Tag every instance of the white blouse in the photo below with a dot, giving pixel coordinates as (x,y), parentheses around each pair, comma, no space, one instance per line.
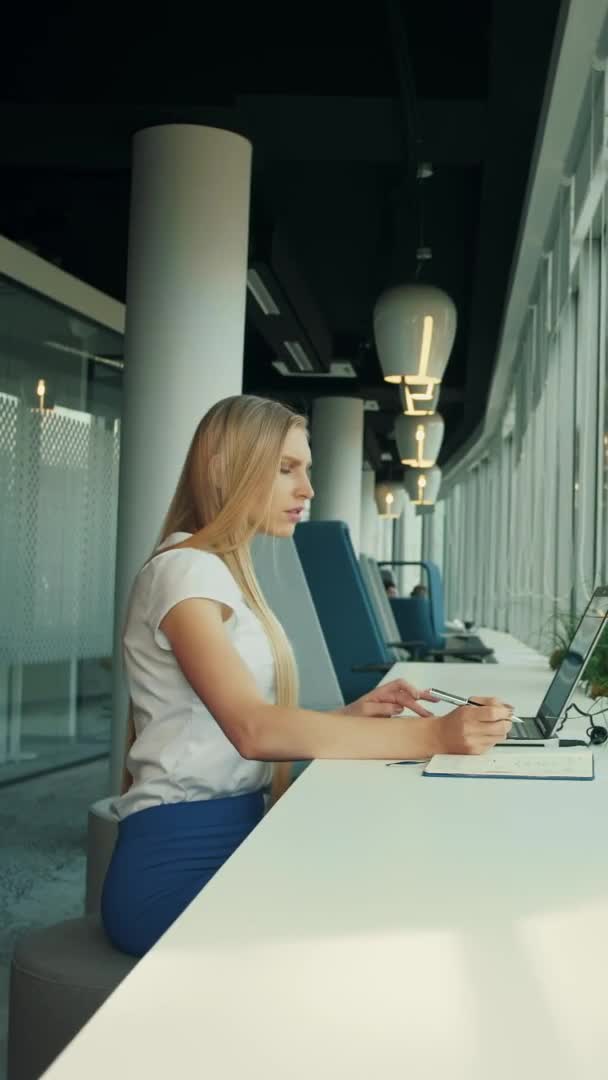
(181,753)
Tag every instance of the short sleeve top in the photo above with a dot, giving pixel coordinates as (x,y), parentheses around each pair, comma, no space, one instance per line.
(180,753)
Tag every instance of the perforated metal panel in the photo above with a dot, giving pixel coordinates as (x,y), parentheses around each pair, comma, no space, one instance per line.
(59,493)
(99,540)
(9,486)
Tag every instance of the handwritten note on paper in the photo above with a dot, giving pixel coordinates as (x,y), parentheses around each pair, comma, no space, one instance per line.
(513,764)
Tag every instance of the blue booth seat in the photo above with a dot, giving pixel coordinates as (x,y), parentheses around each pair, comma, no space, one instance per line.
(283,582)
(413,618)
(348,620)
(423,618)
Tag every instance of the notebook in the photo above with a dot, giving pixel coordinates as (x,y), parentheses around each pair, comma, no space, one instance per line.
(516,765)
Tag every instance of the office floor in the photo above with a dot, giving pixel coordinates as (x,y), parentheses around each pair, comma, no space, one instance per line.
(42,868)
(40,753)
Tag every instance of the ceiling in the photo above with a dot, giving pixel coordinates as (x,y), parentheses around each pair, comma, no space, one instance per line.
(340,107)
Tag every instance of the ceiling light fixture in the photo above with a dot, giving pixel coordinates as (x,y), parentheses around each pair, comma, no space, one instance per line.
(42,394)
(414,328)
(419,403)
(419,439)
(424,170)
(390,500)
(414,324)
(299,356)
(422,485)
(260,293)
(338,369)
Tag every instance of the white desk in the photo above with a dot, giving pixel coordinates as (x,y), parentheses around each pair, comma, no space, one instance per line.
(507,649)
(380,924)
(523,686)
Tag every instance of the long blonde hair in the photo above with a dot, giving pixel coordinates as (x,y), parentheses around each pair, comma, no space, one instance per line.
(223,495)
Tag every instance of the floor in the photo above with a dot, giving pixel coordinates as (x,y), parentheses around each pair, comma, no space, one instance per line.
(42,865)
(39,753)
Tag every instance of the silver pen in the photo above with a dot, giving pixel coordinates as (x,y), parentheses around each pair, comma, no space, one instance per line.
(454,699)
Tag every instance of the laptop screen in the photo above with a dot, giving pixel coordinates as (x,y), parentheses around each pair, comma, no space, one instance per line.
(571,668)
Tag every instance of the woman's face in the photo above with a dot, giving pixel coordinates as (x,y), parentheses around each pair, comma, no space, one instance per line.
(292,487)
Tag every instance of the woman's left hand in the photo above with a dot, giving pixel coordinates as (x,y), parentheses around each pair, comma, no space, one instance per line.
(389,700)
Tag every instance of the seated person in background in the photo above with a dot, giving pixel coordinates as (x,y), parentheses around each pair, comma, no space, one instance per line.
(389,583)
(213,680)
(419,590)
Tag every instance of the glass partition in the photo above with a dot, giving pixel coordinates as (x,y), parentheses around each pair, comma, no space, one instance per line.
(60,401)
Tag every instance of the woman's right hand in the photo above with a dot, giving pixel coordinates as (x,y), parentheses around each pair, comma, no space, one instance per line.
(473,729)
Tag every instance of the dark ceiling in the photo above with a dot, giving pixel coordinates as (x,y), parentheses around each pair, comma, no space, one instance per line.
(340,106)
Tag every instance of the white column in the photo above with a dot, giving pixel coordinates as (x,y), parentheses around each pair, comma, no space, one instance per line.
(438,533)
(386,545)
(337,456)
(186,289)
(426,536)
(369,514)
(399,548)
(411,546)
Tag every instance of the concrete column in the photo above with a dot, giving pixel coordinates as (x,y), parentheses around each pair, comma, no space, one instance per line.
(186,290)
(438,519)
(369,515)
(386,542)
(399,548)
(426,543)
(410,543)
(337,459)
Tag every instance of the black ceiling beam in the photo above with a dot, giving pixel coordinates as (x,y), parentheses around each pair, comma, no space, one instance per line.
(281,127)
(282,307)
(294,128)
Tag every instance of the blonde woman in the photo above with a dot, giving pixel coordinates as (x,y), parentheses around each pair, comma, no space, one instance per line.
(213,681)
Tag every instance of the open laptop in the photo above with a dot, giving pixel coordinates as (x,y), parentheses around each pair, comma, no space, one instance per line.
(565,680)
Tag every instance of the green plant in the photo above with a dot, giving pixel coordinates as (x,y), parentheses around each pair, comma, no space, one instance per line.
(595,675)
(563,632)
(594,679)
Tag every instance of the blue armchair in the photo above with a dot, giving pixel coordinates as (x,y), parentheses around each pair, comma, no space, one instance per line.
(354,637)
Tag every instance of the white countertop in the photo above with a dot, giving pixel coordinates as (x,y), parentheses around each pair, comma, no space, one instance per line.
(382,924)
(507,649)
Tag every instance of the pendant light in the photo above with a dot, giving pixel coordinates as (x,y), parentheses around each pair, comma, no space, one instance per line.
(390,500)
(414,330)
(416,402)
(422,485)
(419,439)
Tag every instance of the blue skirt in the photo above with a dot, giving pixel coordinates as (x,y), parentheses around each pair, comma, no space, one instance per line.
(163,857)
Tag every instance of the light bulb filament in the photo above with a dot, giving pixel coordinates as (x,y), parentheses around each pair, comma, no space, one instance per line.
(425,350)
(420,435)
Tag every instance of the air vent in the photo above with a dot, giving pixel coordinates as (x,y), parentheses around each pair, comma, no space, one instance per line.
(283,310)
(261,294)
(299,356)
(337,370)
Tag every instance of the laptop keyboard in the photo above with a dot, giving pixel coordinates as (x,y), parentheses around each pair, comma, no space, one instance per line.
(526,730)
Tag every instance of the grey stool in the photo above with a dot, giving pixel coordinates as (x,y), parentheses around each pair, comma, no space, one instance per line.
(102,831)
(59,977)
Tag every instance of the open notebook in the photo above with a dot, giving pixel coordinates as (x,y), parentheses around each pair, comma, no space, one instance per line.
(524,764)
